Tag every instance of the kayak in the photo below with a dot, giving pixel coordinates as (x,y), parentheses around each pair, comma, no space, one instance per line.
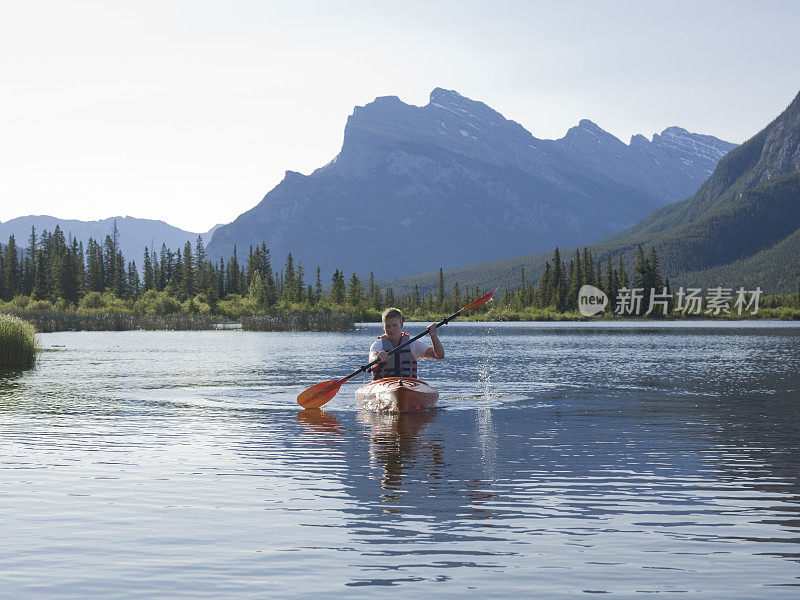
(396,394)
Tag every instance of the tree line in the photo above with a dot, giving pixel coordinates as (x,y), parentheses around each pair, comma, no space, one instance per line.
(560,283)
(55,268)
(60,270)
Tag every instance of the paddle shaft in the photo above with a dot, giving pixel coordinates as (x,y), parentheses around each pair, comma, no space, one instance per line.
(366,367)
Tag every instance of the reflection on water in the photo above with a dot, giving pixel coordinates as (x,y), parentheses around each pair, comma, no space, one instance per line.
(627,462)
(320,422)
(396,445)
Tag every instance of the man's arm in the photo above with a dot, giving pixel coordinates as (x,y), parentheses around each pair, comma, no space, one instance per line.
(437,351)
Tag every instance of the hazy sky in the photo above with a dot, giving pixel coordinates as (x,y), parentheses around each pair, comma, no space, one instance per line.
(190,111)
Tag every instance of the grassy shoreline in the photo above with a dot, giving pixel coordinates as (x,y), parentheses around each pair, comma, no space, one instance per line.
(17,342)
(53,321)
(500,314)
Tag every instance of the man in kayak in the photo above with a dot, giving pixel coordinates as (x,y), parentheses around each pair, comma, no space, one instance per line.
(402,363)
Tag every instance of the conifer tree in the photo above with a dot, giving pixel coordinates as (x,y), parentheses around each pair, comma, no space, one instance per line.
(95,279)
(175,285)
(29,264)
(318,285)
(77,252)
(149,276)
(115,236)
(54,264)
(610,285)
(41,281)
(622,273)
(310,295)
(554,281)
(338,291)
(157,272)
(574,279)
(374,298)
(441,295)
(220,281)
(4,293)
(256,289)
(11,273)
(289,280)
(655,270)
(580,274)
(642,277)
(188,289)
(389,298)
(259,263)
(70,272)
(545,286)
(598,277)
(120,280)
(232,283)
(200,282)
(253,264)
(212,285)
(588,268)
(557,285)
(109,261)
(299,284)
(355,291)
(640,269)
(133,284)
(167,265)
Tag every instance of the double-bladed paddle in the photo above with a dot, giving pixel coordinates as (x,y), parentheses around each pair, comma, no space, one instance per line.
(322,392)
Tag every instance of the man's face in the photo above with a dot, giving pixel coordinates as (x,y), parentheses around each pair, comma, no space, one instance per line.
(393,328)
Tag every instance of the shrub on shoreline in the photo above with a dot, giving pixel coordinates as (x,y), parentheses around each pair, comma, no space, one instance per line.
(17,342)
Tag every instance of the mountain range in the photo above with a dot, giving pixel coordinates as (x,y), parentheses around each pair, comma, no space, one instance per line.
(134,234)
(455,183)
(741,228)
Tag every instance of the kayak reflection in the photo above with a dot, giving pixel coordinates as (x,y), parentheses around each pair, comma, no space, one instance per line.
(398,444)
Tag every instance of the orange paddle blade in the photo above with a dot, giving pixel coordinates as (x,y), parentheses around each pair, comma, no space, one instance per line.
(480,301)
(319,394)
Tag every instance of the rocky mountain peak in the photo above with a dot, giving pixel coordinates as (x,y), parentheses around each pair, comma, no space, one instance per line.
(588,137)
(458,171)
(452,100)
(677,140)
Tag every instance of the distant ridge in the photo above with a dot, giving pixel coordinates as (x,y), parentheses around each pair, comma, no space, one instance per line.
(135,233)
(454,183)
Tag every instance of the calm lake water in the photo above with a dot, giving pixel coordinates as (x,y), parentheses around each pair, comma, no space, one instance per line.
(564,460)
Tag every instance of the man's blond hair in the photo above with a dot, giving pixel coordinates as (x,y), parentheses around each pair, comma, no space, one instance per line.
(392,313)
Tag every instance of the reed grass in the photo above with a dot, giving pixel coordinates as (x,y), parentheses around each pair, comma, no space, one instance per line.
(17,342)
(50,321)
(47,321)
(304,321)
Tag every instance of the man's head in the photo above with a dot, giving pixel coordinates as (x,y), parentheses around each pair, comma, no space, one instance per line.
(392,320)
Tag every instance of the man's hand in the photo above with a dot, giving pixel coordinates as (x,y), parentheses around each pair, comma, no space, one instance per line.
(383,356)
(432,329)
